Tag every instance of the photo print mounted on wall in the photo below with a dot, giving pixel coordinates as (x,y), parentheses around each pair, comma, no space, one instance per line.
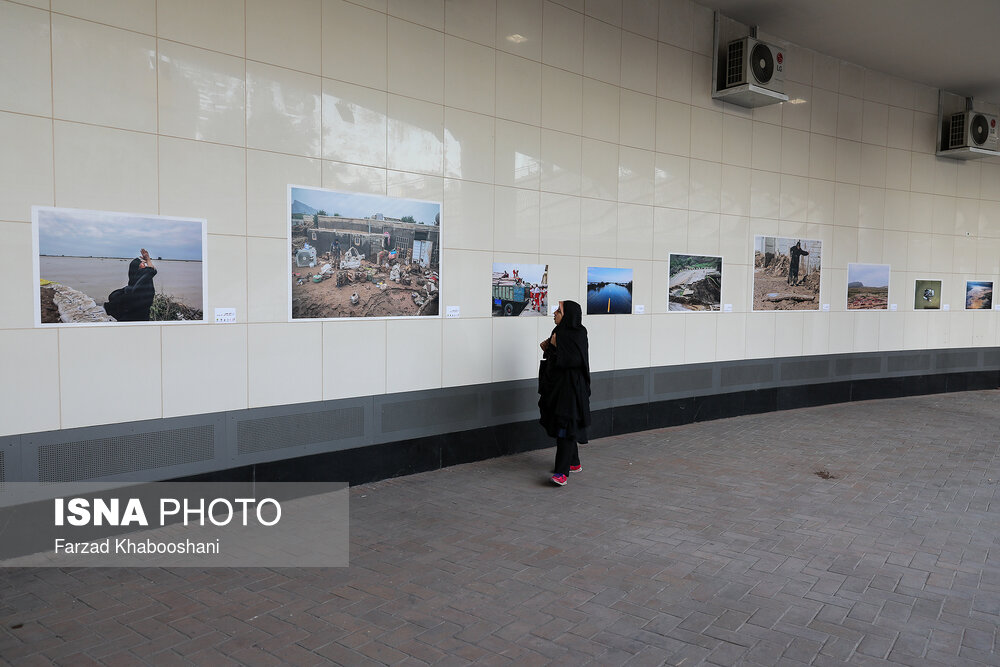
(609,291)
(107,268)
(360,255)
(979,295)
(694,283)
(520,290)
(927,295)
(786,273)
(867,287)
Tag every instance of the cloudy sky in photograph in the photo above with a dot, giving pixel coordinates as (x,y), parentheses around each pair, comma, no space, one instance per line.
(78,233)
(353,205)
(871,275)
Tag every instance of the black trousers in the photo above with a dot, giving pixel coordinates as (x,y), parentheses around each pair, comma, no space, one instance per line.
(567,454)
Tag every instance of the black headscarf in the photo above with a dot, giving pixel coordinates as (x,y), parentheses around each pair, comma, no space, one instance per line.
(133,271)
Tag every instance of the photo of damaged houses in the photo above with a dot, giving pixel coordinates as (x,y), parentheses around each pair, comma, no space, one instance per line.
(357,255)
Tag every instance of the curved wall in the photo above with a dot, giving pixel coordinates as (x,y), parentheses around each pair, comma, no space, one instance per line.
(593,141)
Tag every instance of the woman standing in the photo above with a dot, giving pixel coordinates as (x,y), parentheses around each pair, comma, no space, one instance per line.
(564,385)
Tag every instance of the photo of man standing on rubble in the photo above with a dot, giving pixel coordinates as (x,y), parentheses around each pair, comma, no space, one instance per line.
(786,273)
(360,255)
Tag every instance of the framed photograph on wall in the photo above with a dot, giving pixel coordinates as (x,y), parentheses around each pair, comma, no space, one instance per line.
(109,268)
(927,295)
(520,290)
(867,287)
(979,295)
(609,291)
(360,255)
(694,283)
(786,273)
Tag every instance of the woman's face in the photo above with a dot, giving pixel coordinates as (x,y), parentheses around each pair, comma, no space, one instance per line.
(558,314)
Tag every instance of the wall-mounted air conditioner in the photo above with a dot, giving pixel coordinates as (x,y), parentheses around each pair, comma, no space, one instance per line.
(965,131)
(972,129)
(750,60)
(748,72)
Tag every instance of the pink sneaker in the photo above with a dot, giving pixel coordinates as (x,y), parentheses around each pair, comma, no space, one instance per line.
(576,468)
(559,479)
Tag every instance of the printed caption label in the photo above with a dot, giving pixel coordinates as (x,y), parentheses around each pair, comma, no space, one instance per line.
(225,315)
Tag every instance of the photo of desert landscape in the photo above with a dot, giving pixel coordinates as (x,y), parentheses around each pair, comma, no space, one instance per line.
(867,286)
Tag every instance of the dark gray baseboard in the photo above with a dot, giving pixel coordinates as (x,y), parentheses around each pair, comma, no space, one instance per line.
(373,437)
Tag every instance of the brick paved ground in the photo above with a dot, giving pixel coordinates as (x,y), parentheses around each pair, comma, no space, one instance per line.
(711,543)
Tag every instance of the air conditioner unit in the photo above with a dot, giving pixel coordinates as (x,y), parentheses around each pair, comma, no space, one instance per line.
(973,129)
(751,61)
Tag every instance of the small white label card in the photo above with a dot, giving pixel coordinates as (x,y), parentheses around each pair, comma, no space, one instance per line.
(826,308)
(946,306)
(893,307)
(225,315)
(639,310)
(452,312)
(727,307)
(996,307)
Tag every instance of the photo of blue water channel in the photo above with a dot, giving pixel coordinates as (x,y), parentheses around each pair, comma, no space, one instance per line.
(609,291)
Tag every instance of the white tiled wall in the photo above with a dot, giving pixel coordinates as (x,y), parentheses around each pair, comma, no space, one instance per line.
(571,133)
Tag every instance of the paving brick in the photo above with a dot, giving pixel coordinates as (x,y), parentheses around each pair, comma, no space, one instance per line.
(723,547)
(727,654)
(875,646)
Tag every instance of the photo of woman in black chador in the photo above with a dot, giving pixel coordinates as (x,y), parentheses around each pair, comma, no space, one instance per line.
(564,388)
(132,302)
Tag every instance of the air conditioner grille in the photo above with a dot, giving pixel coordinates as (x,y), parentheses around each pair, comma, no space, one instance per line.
(105,457)
(979,130)
(2,475)
(734,64)
(761,63)
(956,133)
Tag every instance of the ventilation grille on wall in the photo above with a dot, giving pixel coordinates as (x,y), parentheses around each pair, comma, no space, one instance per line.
(425,412)
(2,475)
(105,457)
(270,433)
(629,386)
